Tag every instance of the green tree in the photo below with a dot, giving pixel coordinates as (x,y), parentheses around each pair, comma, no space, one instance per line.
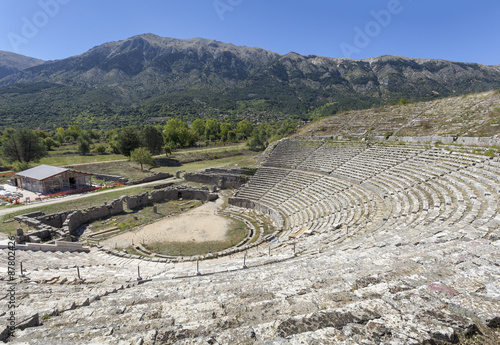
(60,134)
(142,156)
(177,133)
(83,142)
(173,132)
(40,133)
(225,127)
(260,135)
(127,140)
(231,136)
(23,145)
(50,143)
(74,132)
(244,129)
(198,127)
(168,150)
(152,139)
(212,130)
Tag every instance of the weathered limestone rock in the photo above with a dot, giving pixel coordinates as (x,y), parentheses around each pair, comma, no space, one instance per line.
(399,253)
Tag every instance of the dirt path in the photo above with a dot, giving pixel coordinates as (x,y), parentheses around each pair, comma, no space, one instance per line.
(200,224)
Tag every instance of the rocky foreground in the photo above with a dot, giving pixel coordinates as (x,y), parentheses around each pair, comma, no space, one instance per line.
(380,245)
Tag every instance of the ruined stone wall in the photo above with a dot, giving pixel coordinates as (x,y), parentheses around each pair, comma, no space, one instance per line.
(183,193)
(196,194)
(110,178)
(224,171)
(40,227)
(138,201)
(202,178)
(222,178)
(55,220)
(70,221)
(155,177)
(77,218)
(232,181)
(468,141)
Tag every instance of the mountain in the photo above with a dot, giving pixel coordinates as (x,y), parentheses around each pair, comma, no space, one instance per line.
(148,76)
(11,63)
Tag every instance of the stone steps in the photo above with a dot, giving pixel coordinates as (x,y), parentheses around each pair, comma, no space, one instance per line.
(402,250)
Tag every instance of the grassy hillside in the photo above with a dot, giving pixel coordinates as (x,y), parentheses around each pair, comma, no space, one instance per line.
(468,115)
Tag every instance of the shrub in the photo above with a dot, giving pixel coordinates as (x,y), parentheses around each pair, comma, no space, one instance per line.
(20,166)
(490,153)
(100,149)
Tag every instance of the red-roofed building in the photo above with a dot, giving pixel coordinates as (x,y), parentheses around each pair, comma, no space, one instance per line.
(46,179)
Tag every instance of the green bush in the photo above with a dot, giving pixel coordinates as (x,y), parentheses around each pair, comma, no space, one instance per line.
(100,149)
(20,166)
(490,153)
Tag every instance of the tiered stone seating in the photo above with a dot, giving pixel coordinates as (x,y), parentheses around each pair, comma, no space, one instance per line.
(330,156)
(402,250)
(372,162)
(291,153)
(261,182)
(381,292)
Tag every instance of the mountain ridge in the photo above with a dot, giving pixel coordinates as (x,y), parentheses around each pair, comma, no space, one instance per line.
(11,63)
(163,76)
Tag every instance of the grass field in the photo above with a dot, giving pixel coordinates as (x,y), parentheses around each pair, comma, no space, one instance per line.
(68,159)
(125,169)
(246,160)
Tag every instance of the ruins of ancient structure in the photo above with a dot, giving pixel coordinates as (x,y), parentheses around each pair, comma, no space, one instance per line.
(222,178)
(387,244)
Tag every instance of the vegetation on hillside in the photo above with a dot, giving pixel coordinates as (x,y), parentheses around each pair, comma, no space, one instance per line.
(22,147)
(149,79)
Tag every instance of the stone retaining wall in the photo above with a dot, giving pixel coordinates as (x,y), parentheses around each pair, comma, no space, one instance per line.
(76,218)
(70,221)
(138,201)
(59,246)
(222,178)
(155,177)
(467,141)
(110,178)
(55,220)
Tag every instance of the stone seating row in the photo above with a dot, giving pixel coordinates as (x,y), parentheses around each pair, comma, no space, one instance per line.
(372,162)
(442,198)
(290,153)
(377,281)
(340,287)
(326,158)
(261,182)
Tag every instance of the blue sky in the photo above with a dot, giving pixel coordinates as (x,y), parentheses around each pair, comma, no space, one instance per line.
(457,30)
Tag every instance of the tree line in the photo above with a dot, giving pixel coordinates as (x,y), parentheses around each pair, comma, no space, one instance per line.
(21,146)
